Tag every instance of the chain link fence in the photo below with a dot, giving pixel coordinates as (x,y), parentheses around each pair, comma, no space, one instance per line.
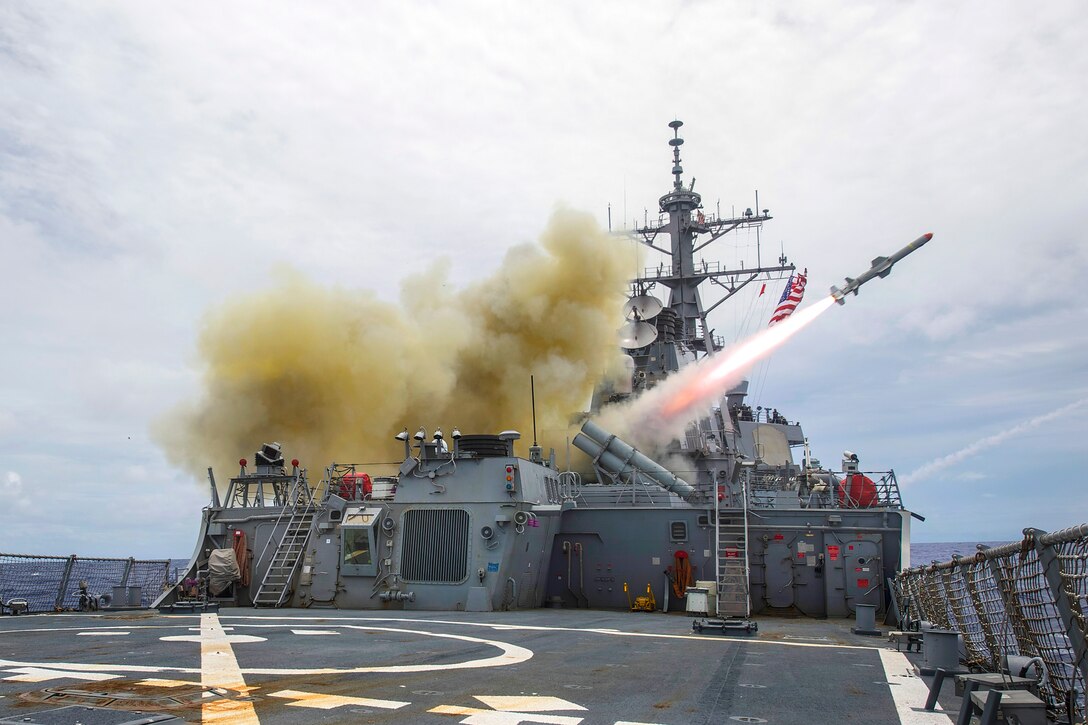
(52,583)
(1025,599)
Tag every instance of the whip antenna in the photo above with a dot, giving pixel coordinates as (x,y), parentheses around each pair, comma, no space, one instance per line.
(532,394)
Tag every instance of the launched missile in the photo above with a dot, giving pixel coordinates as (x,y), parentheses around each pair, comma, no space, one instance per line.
(882,267)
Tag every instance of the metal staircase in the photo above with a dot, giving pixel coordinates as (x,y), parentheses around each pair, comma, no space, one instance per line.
(733,603)
(287,552)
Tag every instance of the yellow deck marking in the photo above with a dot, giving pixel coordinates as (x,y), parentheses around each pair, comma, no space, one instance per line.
(219,668)
(320,701)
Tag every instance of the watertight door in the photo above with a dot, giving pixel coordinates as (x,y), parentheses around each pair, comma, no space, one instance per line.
(779,574)
(326,547)
(862,566)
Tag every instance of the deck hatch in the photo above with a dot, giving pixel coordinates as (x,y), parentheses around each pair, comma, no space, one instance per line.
(435,546)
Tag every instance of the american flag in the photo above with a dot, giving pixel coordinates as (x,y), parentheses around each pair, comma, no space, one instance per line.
(791,297)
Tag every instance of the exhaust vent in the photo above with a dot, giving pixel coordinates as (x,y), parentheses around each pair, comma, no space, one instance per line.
(435,546)
(484,446)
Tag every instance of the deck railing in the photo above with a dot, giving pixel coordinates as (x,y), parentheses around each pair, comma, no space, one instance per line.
(51,583)
(1027,599)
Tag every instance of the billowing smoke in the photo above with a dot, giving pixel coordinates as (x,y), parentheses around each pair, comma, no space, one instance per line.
(334,374)
(982,444)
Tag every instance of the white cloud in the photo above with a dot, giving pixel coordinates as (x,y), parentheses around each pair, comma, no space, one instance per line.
(12,493)
(155,160)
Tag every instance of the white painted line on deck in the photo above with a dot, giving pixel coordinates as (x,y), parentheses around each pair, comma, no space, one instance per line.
(277,621)
(320,701)
(153,682)
(910,697)
(314,631)
(479,716)
(110,633)
(219,668)
(509,654)
(42,674)
(528,703)
(39,630)
(231,638)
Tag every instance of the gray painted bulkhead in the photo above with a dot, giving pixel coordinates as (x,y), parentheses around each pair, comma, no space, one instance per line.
(579,552)
(800,561)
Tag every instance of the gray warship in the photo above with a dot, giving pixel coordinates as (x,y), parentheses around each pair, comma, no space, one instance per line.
(477,585)
(741,521)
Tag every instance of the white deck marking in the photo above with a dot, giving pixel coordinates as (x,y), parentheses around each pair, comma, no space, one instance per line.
(272,622)
(527,703)
(110,633)
(219,668)
(313,631)
(39,630)
(319,701)
(910,697)
(97,667)
(152,682)
(476,716)
(41,674)
(230,638)
(510,654)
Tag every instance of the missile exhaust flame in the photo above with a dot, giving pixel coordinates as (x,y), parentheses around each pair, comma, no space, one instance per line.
(688,393)
(685,396)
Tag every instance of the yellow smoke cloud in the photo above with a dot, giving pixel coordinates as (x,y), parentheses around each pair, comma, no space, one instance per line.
(334,374)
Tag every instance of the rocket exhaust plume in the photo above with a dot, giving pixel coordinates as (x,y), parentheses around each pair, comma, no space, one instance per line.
(664,411)
(333,374)
(939,464)
(687,395)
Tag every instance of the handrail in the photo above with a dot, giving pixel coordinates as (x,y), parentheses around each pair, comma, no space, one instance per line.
(47,582)
(1027,598)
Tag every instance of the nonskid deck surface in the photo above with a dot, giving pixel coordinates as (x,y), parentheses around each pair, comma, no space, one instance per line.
(547,666)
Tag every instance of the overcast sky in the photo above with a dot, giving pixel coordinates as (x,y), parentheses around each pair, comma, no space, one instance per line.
(157,159)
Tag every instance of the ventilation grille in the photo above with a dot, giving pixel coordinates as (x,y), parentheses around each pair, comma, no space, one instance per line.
(435,546)
(484,446)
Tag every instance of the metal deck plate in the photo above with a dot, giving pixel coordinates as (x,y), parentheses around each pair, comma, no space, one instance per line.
(285,666)
(80,715)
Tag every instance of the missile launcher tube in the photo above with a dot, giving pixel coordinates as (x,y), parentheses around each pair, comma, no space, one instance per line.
(617,457)
(609,462)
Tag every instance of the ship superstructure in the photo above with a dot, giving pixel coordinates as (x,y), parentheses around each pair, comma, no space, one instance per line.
(733,509)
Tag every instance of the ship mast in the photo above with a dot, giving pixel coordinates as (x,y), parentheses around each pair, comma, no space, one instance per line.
(683,275)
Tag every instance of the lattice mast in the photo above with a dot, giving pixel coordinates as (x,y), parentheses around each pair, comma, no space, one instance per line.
(686,222)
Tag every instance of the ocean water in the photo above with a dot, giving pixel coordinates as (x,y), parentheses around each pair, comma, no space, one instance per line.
(925,553)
